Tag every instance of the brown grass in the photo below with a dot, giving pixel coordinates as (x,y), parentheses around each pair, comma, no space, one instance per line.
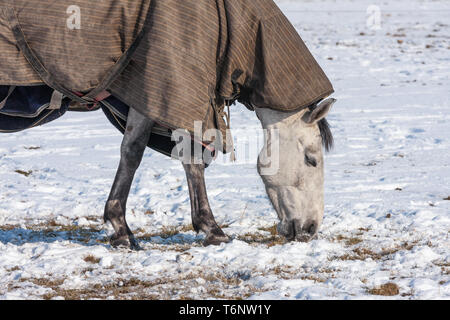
(270,240)
(137,289)
(91,259)
(399,35)
(165,232)
(289,273)
(349,241)
(94,218)
(51,229)
(255,239)
(16,268)
(8,227)
(445,267)
(388,289)
(272,229)
(362,253)
(44,282)
(24,173)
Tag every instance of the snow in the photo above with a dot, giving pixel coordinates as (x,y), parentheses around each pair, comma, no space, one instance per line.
(386,220)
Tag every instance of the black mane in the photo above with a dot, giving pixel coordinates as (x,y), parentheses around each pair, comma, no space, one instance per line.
(325,131)
(326,134)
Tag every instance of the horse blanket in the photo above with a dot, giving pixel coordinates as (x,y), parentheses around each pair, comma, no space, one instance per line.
(174,61)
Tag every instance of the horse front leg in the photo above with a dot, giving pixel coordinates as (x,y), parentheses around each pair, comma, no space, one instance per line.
(134,142)
(202,216)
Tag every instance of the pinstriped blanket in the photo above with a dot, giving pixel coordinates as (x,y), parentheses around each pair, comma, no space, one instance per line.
(189,58)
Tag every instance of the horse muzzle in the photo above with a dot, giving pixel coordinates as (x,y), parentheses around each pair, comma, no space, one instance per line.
(295,230)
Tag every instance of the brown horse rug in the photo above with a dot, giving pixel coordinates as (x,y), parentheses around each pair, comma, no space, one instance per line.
(174,61)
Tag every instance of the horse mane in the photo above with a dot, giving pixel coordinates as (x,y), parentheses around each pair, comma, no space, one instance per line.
(325,131)
(326,134)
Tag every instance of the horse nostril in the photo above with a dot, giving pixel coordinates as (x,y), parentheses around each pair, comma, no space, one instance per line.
(312,229)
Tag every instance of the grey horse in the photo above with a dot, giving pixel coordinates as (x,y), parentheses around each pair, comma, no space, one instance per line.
(296,189)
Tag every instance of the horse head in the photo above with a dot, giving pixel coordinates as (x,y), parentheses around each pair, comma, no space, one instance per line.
(294,178)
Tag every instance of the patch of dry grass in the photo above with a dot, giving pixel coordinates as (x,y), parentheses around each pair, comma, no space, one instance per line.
(24,173)
(8,227)
(349,241)
(166,232)
(388,289)
(215,285)
(272,229)
(445,267)
(91,259)
(270,240)
(53,229)
(363,253)
(51,226)
(289,273)
(258,239)
(16,268)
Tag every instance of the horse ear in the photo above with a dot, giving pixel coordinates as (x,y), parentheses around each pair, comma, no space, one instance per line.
(319,112)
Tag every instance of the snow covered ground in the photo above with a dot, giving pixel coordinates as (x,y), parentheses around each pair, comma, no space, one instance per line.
(386,226)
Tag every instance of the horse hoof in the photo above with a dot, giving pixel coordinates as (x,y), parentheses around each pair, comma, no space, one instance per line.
(125,242)
(134,245)
(215,240)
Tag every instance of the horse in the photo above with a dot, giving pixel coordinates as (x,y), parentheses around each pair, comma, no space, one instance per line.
(296,189)
(168,64)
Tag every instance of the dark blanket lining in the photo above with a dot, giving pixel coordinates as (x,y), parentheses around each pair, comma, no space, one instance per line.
(27,107)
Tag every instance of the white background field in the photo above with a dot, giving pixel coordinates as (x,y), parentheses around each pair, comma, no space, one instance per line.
(386,220)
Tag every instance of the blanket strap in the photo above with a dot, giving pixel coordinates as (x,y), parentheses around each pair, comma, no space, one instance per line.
(56,100)
(10,91)
(220,113)
(95,95)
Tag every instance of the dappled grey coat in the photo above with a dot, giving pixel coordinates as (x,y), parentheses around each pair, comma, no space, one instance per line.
(189,57)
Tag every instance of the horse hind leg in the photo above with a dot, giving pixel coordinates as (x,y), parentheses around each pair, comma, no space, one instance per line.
(134,142)
(202,216)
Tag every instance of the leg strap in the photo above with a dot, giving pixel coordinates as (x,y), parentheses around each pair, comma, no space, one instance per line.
(10,91)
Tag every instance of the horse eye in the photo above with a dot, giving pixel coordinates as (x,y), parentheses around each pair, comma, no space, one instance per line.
(310,161)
